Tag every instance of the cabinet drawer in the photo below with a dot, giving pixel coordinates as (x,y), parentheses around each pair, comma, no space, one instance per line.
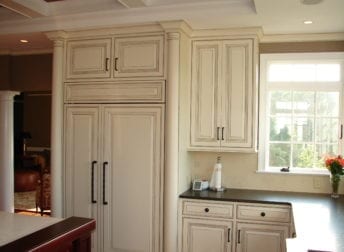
(208,209)
(153,91)
(262,213)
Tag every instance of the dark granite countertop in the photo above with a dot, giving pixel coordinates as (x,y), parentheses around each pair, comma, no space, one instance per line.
(318,218)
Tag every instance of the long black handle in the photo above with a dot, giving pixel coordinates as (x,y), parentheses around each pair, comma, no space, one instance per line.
(341,131)
(217,133)
(223,128)
(116,60)
(92,182)
(229,235)
(107,64)
(104,167)
(239,236)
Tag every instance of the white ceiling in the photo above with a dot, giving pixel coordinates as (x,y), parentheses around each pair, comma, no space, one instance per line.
(274,16)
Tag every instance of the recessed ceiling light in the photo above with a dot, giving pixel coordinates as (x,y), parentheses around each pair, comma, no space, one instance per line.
(311,2)
(24,41)
(308,22)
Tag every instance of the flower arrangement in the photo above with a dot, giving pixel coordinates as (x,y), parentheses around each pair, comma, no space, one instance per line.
(335,166)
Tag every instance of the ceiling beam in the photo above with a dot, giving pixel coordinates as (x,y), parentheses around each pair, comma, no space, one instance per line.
(20,8)
(134,3)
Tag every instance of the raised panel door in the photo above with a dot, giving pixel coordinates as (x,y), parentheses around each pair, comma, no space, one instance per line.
(139,57)
(133,178)
(81,171)
(237,93)
(202,235)
(253,237)
(205,94)
(88,59)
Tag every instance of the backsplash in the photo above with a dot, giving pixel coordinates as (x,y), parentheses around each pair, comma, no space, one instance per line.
(240,171)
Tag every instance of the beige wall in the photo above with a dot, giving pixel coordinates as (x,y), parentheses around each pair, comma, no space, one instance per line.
(240,169)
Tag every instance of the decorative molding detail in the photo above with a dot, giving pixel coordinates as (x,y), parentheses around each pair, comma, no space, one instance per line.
(176,26)
(56,35)
(173,36)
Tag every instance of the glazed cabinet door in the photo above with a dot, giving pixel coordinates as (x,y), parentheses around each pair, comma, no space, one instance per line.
(132,177)
(237,100)
(205,94)
(82,163)
(88,59)
(202,235)
(139,57)
(253,237)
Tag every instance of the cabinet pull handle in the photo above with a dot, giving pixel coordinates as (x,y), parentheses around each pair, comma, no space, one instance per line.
(239,236)
(116,60)
(217,133)
(104,167)
(206,210)
(341,132)
(262,214)
(92,182)
(107,64)
(229,235)
(223,128)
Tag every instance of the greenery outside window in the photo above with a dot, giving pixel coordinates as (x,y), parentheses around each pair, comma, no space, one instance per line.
(300,117)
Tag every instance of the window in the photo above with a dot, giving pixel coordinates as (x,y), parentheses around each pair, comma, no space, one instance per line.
(300,110)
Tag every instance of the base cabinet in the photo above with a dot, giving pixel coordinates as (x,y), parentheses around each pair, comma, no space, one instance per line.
(253,237)
(219,226)
(207,235)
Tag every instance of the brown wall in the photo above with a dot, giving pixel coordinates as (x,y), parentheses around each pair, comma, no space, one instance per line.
(5,72)
(31,72)
(37,111)
(295,47)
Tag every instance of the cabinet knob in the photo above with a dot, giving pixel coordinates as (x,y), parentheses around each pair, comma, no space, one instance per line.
(206,210)
(262,214)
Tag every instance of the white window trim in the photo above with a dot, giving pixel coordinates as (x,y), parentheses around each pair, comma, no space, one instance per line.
(264,128)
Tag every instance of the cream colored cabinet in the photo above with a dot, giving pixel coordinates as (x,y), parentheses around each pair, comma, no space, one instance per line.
(253,237)
(139,56)
(207,235)
(114,173)
(129,58)
(218,226)
(223,95)
(88,59)
(205,226)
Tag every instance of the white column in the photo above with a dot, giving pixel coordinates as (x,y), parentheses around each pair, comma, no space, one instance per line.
(57,130)
(171,160)
(6,151)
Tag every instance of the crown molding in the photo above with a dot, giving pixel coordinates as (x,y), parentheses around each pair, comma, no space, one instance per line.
(177,26)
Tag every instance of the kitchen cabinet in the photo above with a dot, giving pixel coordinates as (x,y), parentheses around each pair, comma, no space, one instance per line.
(210,225)
(114,173)
(253,237)
(88,59)
(223,95)
(139,56)
(131,57)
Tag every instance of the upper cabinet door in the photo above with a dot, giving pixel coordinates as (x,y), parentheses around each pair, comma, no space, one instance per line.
(237,100)
(88,59)
(139,57)
(205,95)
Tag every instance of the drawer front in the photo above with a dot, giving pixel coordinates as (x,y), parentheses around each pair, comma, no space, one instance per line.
(116,92)
(262,213)
(208,209)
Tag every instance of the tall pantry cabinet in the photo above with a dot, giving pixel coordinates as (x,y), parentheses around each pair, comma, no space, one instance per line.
(114,139)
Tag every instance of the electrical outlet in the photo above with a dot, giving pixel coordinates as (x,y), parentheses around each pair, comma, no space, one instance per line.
(316,183)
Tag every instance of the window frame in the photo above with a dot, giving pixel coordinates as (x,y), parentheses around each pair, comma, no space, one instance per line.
(264,127)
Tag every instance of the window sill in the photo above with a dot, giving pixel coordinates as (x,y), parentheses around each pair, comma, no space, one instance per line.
(295,172)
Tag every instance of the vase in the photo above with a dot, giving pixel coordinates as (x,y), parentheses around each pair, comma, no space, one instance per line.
(335,180)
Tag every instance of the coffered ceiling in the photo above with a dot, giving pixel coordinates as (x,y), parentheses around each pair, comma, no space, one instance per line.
(274,16)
